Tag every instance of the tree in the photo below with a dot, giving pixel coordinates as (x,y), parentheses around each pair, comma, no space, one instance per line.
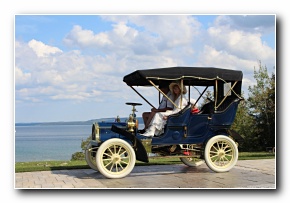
(243,124)
(262,109)
(208,96)
(255,117)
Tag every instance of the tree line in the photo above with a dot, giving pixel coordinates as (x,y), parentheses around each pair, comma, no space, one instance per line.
(255,118)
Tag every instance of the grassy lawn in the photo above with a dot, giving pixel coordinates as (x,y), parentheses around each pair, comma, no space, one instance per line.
(66,165)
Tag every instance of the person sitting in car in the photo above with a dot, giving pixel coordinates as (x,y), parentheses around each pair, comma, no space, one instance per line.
(164,105)
(159,120)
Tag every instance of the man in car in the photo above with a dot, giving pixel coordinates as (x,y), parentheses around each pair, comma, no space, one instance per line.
(164,105)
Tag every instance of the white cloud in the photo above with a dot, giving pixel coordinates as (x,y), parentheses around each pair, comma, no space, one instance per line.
(134,35)
(84,38)
(20,77)
(122,31)
(223,59)
(42,50)
(244,45)
(247,82)
(172,30)
(52,77)
(69,97)
(66,76)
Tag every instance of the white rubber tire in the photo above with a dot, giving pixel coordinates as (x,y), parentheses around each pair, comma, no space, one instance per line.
(115,158)
(221,153)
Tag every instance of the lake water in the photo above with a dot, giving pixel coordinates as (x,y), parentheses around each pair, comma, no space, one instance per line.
(49,142)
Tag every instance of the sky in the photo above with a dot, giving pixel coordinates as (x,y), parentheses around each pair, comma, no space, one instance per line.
(71,67)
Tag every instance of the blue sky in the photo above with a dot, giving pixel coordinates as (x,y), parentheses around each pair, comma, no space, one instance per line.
(70,67)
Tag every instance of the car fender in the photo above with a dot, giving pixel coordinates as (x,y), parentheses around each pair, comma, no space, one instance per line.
(140,151)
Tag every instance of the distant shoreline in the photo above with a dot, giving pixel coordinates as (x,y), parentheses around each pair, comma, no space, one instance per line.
(89,122)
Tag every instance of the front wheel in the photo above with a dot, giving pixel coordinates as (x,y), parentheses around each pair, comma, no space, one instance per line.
(115,158)
(90,156)
(221,153)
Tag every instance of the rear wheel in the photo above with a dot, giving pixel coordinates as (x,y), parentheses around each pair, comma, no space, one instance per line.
(90,156)
(221,153)
(115,158)
(192,162)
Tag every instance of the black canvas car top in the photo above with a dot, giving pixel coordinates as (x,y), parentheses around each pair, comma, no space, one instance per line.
(190,75)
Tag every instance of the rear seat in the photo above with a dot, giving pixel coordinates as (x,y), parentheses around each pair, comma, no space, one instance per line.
(208,108)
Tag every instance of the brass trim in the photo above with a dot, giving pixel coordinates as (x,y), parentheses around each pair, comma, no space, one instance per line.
(185,131)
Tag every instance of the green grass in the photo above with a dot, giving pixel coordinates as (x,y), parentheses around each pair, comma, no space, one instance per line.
(256,155)
(67,165)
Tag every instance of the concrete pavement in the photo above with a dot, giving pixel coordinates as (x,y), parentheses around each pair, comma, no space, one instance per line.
(247,174)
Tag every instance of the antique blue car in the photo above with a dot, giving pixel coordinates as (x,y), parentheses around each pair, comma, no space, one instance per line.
(196,138)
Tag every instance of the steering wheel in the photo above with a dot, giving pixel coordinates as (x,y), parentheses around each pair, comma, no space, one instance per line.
(133,104)
(133,107)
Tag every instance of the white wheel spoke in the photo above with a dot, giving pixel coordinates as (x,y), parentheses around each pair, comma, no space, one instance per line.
(229,150)
(125,157)
(115,150)
(110,151)
(226,147)
(108,164)
(220,145)
(215,148)
(213,152)
(112,166)
(124,162)
(119,150)
(121,166)
(226,158)
(123,153)
(109,155)
(116,166)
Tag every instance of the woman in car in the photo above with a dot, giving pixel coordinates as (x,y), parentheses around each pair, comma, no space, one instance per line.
(157,123)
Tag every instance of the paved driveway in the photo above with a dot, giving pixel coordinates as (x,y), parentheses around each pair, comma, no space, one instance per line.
(246,174)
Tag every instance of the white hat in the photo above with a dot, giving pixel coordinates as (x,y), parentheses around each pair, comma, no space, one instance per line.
(178,84)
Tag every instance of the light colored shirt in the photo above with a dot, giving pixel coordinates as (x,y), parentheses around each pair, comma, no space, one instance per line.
(165,103)
(158,120)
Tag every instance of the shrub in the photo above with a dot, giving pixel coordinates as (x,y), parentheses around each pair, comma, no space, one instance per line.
(78,156)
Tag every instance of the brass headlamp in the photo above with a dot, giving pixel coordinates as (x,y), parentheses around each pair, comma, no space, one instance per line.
(131,124)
